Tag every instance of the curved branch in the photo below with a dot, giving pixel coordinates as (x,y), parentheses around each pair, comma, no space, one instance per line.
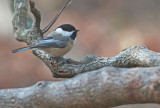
(36,14)
(22,32)
(106,87)
(131,57)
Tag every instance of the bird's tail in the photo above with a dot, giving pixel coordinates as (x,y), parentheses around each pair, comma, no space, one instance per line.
(20,49)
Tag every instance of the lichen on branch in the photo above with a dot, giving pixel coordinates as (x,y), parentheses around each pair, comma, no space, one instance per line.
(135,56)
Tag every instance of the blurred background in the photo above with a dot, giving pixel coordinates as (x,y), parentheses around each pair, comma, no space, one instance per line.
(106,27)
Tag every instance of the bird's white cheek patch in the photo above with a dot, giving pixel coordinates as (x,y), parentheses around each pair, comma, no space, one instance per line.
(58,30)
(64,33)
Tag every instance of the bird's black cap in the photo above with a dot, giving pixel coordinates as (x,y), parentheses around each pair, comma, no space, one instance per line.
(67,27)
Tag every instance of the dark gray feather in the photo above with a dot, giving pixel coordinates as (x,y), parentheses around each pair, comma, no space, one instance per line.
(51,42)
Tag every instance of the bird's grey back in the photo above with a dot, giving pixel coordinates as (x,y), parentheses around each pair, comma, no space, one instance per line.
(56,41)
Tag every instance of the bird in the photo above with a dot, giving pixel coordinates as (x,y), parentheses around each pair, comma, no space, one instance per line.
(57,43)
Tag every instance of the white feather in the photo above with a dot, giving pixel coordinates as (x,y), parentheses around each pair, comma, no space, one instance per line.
(63,32)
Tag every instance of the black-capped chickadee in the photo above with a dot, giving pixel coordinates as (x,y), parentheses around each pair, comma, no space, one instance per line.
(57,43)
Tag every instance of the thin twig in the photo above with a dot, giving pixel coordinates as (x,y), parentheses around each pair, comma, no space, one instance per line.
(55,18)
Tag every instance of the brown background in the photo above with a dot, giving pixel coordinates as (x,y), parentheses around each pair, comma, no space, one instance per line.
(106,27)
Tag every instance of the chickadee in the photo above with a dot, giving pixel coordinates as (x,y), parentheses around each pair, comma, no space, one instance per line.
(57,43)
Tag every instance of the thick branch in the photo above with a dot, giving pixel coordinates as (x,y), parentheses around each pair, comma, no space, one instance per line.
(132,57)
(22,32)
(103,88)
(19,19)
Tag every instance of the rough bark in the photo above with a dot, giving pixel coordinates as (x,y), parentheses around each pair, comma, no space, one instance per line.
(106,87)
(130,57)
(96,87)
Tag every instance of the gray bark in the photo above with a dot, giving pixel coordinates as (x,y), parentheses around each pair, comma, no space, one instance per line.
(131,57)
(106,87)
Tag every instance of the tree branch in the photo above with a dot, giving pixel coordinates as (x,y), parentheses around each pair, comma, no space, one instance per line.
(132,57)
(19,19)
(22,32)
(106,87)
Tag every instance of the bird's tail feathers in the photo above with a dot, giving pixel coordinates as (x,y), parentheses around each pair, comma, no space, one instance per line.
(20,49)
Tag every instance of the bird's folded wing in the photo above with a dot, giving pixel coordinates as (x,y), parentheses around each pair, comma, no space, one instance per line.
(50,42)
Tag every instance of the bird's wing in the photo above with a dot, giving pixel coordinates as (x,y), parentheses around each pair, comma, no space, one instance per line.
(53,34)
(51,42)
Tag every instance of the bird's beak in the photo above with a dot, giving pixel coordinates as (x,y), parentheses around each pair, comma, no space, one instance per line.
(76,30)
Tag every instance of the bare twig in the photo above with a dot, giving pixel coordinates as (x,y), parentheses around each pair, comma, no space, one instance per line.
(55,18)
